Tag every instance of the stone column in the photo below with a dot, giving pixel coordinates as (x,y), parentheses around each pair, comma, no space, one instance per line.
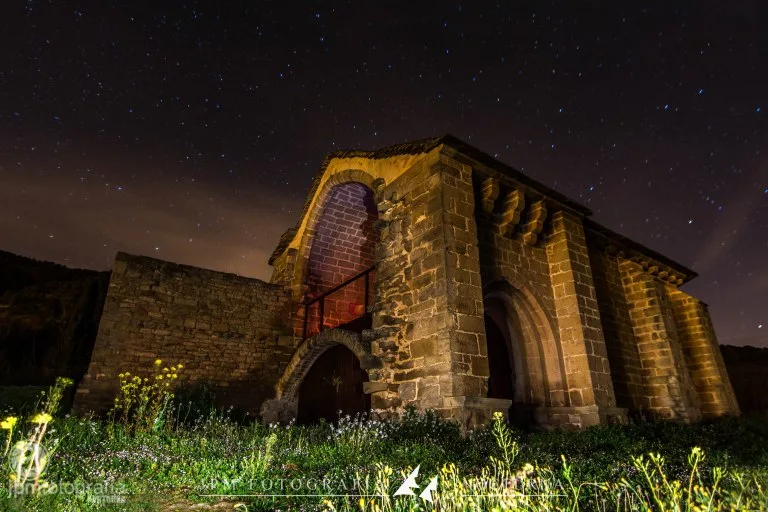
(668,385)
(705,361)
(429,327)
(587,371)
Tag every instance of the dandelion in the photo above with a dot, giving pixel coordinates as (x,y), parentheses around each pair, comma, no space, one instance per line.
(41,418)
(8,423)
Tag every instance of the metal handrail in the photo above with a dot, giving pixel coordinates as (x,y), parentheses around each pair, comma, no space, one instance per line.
(321,298)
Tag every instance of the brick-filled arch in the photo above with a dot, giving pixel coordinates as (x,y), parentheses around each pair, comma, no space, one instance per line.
(343,245)
(344,240)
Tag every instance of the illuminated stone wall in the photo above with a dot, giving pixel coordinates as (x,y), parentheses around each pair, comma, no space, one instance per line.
(225,329)
(596,325)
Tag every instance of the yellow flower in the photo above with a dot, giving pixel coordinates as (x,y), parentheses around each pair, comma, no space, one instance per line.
(42,417)
(8,423)
(180,366)
(158,362)
(159,377)
(175,376)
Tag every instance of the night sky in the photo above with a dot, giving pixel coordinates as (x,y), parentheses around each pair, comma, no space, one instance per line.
(192,133)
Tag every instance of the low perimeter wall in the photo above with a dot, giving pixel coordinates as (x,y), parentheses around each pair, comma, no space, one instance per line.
(225,329)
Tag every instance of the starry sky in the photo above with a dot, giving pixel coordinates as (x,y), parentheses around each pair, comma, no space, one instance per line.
(191,132)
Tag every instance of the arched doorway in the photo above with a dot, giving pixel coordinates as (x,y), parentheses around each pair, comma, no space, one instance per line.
(501,379)
(334,383)
(535,370)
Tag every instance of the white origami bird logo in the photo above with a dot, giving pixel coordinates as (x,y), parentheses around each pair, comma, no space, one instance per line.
(410,483)
(426,494)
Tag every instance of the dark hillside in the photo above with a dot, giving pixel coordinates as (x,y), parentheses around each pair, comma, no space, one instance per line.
(748,370)
(49,317)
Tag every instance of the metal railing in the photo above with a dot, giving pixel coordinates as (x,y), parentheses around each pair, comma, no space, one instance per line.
(321,299)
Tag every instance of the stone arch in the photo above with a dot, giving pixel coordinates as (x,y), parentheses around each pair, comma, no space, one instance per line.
(287,388)
(539,372)
(318,205)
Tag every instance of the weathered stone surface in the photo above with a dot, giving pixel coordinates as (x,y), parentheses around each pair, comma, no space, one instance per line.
(225,329)
(594,324)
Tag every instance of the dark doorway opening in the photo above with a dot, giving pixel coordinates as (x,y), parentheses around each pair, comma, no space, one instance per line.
(334,383)
(501,374)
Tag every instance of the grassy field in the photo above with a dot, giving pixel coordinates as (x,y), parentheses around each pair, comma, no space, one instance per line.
(170,456)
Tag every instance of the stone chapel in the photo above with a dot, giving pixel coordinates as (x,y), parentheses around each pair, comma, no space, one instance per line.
(426,274)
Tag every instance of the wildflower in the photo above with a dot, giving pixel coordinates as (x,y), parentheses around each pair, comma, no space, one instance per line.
(64,381)
(159,377)
(41,418)
(175,376)
(158,362)
(8,423)
(180,366)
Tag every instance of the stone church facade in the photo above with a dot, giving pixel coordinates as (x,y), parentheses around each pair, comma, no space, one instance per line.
(427,274)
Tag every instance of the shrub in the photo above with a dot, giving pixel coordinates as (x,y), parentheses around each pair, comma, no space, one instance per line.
(141,403)
(28,458)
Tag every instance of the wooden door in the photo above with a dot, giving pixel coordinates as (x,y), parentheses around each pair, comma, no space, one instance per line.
(334,383)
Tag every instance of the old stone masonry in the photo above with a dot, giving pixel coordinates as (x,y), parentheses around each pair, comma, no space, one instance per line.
(426,274)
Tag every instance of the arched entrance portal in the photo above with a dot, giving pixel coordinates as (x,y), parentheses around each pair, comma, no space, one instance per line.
(523,358)
(500,364)
(334,383)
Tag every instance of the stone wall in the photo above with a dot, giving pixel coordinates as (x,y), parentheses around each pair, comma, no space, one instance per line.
(668,385)
(620,342)
(581,337)
(515,273)
(703,356)
(534,258)
(225,329)
(428,325)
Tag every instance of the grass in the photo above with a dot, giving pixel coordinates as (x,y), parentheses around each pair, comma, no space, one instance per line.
(164,454)
(364,462)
